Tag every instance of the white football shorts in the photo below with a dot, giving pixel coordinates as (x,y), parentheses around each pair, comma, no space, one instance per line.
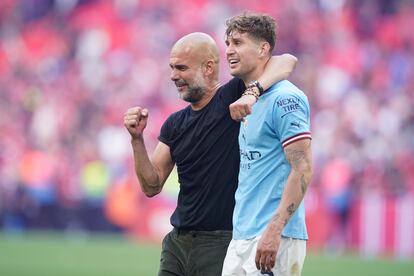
(241,254)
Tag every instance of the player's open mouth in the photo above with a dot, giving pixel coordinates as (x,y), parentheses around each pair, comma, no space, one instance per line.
(233,62)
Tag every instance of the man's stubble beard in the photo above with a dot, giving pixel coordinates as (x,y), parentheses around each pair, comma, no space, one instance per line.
(196,91)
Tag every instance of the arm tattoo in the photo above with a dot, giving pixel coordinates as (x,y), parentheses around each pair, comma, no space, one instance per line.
(291,209)
(295,157)
(300,162)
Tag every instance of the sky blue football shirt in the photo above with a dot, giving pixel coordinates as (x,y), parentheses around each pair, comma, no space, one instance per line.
(281,116)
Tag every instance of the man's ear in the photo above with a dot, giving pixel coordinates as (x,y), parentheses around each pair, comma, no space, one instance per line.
(264,49)
(209,67)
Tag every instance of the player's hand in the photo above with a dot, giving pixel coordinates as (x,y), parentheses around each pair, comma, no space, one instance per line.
(135,120)
(267,248)
(242,107)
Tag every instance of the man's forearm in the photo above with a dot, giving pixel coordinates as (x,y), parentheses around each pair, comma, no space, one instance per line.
(277,68)
(147,174)
(297,182)
(292,197)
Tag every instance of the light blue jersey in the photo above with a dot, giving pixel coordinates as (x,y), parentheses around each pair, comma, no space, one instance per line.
(281,116)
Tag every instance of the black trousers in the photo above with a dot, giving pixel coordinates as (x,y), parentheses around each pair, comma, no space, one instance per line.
(193,253)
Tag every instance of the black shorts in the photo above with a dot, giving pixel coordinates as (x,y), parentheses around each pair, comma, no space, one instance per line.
(193,253)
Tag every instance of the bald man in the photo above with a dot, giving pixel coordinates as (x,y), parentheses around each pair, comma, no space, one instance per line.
(201,140)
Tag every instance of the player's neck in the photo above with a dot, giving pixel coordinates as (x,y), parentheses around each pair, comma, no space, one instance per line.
(255,74)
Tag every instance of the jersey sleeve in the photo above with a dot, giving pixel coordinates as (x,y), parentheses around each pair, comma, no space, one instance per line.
(292,118)
(232,91)
(166,132)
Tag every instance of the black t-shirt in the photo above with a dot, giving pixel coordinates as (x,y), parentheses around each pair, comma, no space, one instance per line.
(204,145)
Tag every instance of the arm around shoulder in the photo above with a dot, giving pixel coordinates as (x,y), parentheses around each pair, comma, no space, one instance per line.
(277,68)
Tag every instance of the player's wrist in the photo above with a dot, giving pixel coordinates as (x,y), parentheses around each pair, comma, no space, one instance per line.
(278,223)
(275,228)
(251,92)
(256,86)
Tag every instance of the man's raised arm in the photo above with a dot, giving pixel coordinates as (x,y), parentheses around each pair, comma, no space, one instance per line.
(152,173)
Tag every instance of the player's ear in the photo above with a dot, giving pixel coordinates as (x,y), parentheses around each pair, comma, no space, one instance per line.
(264,49)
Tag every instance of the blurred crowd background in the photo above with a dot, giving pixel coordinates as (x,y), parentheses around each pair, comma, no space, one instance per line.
(69,69)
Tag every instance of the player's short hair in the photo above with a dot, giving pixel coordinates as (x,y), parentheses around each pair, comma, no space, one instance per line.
(258,26)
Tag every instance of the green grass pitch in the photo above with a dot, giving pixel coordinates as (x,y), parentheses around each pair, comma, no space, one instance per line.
(42,254)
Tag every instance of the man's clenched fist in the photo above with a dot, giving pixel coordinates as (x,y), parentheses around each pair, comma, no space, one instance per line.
(135,120)
(242,107)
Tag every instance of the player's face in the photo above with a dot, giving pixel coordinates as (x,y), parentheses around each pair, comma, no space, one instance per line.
(242,54)
(186,73)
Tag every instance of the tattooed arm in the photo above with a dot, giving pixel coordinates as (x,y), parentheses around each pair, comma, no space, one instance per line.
(298,155)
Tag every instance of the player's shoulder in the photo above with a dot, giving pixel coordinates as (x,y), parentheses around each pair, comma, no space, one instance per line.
(285,89)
